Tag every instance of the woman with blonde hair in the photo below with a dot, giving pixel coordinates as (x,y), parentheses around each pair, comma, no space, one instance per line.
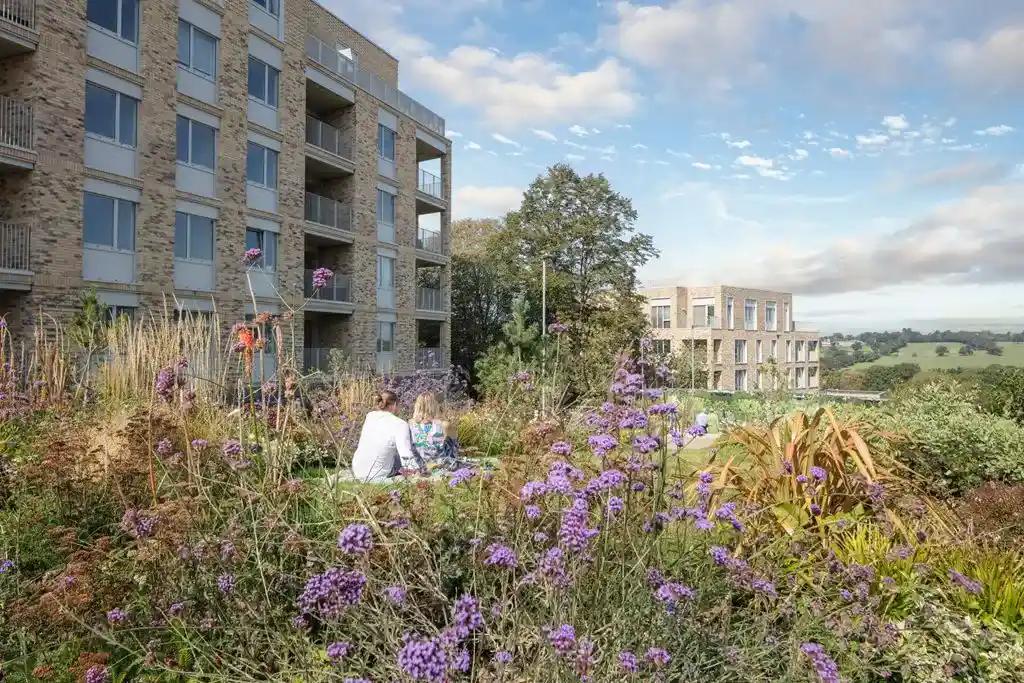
(429,431)
(385,447)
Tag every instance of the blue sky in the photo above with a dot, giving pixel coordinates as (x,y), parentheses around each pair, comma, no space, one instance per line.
(868,156)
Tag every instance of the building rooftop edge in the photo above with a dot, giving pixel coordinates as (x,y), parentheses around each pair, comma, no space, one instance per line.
(355,30)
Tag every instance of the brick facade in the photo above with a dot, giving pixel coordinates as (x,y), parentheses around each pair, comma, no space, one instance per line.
(49,196)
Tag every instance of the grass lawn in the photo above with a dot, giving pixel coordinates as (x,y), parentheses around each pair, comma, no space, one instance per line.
(923,353)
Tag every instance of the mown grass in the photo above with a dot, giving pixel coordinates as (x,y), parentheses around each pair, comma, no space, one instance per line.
(923,353)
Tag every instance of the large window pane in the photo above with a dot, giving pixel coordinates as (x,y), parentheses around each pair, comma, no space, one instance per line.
(182,135)
(204,53)
(254,163)
(129,20)
(256,76)
(98,220)
(100,107)
(184,54)
(386,142)
(180,235)
(270,249)
(129,112)
(103,13)
(272,79)
(201,241)
(125,225)
(271,168)
(203,143)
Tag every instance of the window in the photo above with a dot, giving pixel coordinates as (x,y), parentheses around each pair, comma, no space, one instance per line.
(108,222)
(110,114)
(741,380)
(812,349)
(785,318)
(270,6)
(750,314)
(775,350)
(193,237)
(703,316)
(759,351)
(197,50)
(261,166)
(385,142)
(662,347)
(385,337)
(385,272)
(120,17)
(660,317)
(789,352)
(799,350)
(263,80)
(265,241)
(770,321)
(800,378)
(261,332)
(117,313)
(730,319)
(196,143)
(741,350)
(385,207)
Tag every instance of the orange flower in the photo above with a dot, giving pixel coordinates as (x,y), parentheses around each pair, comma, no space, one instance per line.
(246,337)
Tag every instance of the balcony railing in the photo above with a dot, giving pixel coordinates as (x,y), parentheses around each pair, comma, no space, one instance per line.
(428,358)
(15,246)
(329,212)
(337,290)
(430,184)
(429,240)
(327,137)
(334,59)
(16,127)
(428,299)
(804,327)
(20,12)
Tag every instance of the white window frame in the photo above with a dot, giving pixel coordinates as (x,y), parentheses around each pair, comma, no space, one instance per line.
(740,385)
(380,203)
(659,322)
(394,266)
(266,156)
(752,325)
(119,98)
(759,351)
(392,332)
(738,346)
(380,142)
(192,30)
(774,323)
(117,224)
(730,311)
(661,346)
(775,350)
(190,163)
(120,15)
(266,83)
(271,7)
(188,238)
(263,239)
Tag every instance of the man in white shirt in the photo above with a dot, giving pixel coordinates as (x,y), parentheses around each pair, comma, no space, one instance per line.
(385,445)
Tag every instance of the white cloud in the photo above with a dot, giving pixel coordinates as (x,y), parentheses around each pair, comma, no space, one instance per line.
(639,145)
(476,201)
(950,122)
(996,131)
(575,157)
(527,87)
(504,140)
(623,125)
(678,154)
(579,130)
(738,144)
(872,140)
(453,134)
(754,161)
(544,134)
(609,149)
(473,145)
(662,162)
(895,123)
(839,153)
(799,154)
(700,165)
(997,61)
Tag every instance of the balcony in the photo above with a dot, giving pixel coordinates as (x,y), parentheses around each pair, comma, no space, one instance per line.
(430,184)
(15,256)
(430,303)
(328,218)
(336,297)
(328,154)
(430,248)
(317,359)
(18,32)
(17,134)
(429,358)
(339,61)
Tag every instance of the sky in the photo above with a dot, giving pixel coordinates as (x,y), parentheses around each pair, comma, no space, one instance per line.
(867,156)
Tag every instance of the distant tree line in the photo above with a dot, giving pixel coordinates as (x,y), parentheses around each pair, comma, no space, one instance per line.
(870,346)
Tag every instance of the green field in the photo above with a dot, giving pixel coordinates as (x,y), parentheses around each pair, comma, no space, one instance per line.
(923,353)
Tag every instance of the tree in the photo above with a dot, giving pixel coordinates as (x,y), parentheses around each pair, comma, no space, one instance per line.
(941,350)
(966,350)
(994,350)
(857,345)
(481,296)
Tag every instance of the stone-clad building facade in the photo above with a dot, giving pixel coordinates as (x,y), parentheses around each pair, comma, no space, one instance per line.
(749,335)
(145,144)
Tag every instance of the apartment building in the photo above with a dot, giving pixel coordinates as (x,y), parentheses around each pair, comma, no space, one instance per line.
(750,337)
(146,144)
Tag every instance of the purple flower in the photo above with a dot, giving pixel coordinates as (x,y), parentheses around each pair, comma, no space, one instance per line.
(461,475)
(532,511)
(628,662)
(396,594)
(200,444)
(503,657)
(672,593)
(164,384)
(663,409)
(355,539)
(615,505)
(6,566)
(815,509)
(226,583)
(532,489)
(321,277)
(97,674)
(329,594)
(818,473)
(563,639)
(552,567)
(825,667)
(696,430)
(138,523)
(300,623)
(358,680)
(423,659)
(968,584)
(164,447)
(499,555)
(574,532)
(117,616)
(557,328)
(336,651)
(561,448)
(602,444)
(231,448)
(176,609)
(645,443)
(466,616)
(658,657)
(252,256)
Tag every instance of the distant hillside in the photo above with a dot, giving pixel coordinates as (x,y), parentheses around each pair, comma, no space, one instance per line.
(923,353)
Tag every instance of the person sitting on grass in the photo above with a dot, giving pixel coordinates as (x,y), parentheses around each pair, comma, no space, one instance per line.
(430,433)
(385,446)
